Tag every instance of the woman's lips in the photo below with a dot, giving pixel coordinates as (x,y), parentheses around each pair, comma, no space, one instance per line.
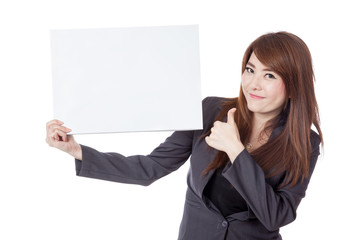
(255,96)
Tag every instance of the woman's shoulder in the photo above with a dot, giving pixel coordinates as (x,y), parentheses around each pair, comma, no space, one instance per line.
(214,102)
(214,99)
(211,106)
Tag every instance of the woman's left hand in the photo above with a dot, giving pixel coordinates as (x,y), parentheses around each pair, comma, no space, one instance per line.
(225,137)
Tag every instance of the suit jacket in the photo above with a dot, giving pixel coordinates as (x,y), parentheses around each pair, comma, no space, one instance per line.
(269,208)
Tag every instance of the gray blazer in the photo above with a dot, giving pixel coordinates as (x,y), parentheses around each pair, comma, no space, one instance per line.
(268,208)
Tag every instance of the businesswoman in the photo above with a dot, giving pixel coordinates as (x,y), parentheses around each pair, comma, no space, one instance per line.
(250,165)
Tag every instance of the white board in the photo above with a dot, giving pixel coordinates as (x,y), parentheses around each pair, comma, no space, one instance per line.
(127,79)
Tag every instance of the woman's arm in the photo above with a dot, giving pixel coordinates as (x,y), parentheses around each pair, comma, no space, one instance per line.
(137,169)
(274,208)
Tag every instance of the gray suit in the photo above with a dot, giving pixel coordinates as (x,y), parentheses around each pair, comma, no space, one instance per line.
(268,208)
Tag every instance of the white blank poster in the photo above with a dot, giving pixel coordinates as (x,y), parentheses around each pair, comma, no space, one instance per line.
(127,79)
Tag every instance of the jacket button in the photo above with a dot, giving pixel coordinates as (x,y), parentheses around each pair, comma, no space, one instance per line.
(224,223)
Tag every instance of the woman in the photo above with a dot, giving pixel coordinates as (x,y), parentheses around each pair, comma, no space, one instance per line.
(250,166)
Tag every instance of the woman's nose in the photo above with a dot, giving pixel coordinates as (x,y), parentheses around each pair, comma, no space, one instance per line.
(255,83)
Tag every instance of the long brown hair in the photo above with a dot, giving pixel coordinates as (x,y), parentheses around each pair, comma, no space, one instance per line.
(289,152)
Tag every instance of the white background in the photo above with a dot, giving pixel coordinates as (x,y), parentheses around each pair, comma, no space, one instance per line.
(41,198)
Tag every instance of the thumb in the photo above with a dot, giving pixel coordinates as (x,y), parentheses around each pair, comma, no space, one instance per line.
(230,116)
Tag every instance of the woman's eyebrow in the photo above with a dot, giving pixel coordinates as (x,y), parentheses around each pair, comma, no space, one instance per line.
(251,65)
(265,69)
(268,70)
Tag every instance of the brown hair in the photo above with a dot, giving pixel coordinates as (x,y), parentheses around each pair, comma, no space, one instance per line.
(288,56)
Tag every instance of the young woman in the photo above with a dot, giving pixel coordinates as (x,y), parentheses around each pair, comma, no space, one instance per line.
(250,165)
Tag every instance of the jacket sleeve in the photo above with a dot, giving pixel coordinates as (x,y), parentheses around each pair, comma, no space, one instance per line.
(274,208)
(137,169)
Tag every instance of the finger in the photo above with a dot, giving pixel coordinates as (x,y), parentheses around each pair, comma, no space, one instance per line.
(59,135)
(62,128)
(56,124)
(54,136)
(52,122)
(216,123)
(207,140)
(63,136)
(54,127)
(53,139)
(231,116)
(50,142)
(212,131)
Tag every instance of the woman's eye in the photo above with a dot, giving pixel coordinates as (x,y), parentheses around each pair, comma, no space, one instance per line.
(269,75)
(249,70)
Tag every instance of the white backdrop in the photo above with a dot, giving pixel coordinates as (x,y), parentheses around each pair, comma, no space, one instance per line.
(41,198)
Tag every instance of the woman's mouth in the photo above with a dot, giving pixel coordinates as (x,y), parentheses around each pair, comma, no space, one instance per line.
(255,96)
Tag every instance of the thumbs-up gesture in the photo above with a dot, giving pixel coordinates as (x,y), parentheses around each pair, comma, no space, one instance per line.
(225,136)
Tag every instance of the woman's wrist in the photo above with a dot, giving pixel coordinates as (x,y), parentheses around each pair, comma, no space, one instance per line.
(235,151)
(77,153)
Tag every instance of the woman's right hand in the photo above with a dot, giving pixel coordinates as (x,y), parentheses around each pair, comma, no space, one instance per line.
(56,137)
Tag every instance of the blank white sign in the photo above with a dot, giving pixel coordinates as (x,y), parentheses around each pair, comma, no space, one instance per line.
(127,79)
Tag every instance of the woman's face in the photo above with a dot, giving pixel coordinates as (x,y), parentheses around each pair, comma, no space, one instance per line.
(264,90)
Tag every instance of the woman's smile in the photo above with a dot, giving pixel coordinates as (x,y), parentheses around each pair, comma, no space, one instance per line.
(255,96)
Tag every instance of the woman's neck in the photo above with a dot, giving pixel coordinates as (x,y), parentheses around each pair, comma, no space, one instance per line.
(258,123)
(258,137)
